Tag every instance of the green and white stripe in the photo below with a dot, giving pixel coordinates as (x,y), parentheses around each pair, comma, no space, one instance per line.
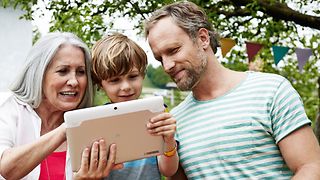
(235,136)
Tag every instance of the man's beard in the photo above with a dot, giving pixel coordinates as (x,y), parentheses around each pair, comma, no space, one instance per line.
(193,74)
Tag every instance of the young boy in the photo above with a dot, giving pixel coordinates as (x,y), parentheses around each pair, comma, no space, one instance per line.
(118,67)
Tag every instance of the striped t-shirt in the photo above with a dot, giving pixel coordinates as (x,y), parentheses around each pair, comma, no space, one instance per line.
(235,136)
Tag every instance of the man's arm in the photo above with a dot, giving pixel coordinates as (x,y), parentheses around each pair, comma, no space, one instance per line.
(301,152)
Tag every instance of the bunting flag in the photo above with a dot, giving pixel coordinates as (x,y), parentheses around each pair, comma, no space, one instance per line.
(303,56)
(253,49)
(226,45)
(278,53)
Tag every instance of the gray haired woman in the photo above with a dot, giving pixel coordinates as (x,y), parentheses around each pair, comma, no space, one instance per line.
(55,78)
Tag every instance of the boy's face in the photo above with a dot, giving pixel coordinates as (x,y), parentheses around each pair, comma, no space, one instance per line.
(123,88)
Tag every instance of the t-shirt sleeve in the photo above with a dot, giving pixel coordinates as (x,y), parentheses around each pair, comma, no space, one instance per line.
(8,115)
(287,111)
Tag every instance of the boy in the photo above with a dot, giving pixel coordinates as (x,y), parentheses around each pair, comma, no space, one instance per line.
(119,66)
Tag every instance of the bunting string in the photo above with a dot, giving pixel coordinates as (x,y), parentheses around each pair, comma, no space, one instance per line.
(253,48)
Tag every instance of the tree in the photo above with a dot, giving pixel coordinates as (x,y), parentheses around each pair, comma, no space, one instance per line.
(269,22)
(158,77)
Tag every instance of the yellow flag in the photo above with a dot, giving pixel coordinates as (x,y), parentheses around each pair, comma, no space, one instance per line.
(226,45)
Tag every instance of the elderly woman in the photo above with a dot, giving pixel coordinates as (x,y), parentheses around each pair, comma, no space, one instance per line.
(56,78)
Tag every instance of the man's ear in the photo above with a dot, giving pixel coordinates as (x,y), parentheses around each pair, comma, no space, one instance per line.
(203,38)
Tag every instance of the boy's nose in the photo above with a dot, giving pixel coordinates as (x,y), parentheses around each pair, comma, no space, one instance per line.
(125,85)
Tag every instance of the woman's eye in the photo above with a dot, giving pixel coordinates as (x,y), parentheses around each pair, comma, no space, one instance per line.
(62,71)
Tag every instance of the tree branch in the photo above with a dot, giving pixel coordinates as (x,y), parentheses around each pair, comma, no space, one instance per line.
(282,11)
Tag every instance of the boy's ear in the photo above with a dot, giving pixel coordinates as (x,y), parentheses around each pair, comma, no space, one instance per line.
(203,38)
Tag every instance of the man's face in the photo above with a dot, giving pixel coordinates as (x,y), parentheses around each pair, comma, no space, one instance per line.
(181,57)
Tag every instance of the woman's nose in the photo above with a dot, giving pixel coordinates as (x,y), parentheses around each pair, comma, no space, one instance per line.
(73,81)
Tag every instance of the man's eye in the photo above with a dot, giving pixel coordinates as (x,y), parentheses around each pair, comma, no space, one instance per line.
(173,51)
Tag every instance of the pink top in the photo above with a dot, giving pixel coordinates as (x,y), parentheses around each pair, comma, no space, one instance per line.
(53,167)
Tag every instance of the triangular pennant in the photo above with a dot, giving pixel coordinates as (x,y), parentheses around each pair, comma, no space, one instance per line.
(303,56)
(278,53)
(226,45)
(252,49)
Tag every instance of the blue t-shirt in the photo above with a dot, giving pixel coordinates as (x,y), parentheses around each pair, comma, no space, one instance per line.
(141,169)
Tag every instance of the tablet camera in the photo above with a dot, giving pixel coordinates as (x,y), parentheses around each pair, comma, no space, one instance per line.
(115,108)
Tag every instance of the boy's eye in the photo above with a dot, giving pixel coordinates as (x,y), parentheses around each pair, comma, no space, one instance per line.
(113,80)
(133,76)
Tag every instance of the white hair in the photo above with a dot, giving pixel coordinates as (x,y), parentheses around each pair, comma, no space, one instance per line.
(27,87)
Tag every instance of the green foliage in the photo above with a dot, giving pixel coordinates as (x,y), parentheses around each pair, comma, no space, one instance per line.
(100,97)
(81,17)
(25,5)
(147,83)
(158,77)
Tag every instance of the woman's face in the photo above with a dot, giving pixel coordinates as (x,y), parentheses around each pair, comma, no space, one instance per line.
(65,80)
(124,88)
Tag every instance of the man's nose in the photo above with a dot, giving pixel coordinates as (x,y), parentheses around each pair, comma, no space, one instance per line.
(167,64)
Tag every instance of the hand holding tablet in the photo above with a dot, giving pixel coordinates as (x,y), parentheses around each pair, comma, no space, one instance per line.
(123,124)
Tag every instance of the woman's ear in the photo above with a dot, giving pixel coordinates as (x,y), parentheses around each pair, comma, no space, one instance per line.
(203,37)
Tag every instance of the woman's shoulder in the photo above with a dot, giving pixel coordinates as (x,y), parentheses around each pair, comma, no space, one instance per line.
(9,103)
(5,97)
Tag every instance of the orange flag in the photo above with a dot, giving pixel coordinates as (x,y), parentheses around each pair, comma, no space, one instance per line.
(226,45)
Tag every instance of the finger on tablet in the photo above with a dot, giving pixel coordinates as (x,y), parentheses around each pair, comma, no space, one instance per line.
(112,155)
(84,161)
(94,156)
(102,155)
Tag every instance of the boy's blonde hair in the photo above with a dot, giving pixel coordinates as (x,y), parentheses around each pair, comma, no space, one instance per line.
(116,55)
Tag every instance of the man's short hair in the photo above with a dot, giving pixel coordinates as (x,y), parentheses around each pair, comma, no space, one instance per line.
(187,16)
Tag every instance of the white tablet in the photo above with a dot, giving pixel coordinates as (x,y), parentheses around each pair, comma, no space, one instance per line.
(121,123)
